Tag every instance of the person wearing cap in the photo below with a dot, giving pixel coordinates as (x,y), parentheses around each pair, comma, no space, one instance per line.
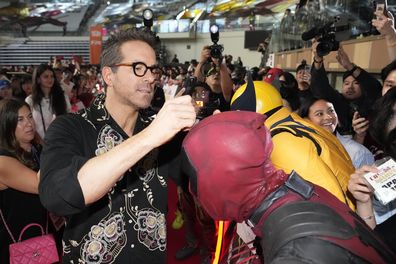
(288,87)
(358,93)
(272,74)
(5,89)
(303,76)
(216,75)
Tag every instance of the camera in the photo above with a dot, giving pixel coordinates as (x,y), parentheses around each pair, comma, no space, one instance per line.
(327,36)
(201,94)
(216,50)
(327,43)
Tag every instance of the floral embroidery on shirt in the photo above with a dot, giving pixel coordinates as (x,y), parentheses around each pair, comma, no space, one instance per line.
(105,240)
(151,228)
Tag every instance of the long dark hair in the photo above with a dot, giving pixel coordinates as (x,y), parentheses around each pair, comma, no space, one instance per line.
(306,104)
(58,101)
(379,127)
(9,120)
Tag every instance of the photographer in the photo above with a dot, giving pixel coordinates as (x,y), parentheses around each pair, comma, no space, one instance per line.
(216,75)
(358,93)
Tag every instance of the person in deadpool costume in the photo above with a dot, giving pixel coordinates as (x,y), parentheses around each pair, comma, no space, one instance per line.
(234,179)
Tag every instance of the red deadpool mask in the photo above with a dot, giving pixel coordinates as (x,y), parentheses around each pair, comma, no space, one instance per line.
(226,157)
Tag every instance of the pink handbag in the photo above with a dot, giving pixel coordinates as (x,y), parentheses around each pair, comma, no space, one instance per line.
(41,249)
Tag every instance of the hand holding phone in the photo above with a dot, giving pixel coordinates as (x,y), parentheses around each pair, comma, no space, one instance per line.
(307,73)
(381,6)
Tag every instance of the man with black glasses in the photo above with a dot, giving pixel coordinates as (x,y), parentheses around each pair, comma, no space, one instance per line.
(106,168)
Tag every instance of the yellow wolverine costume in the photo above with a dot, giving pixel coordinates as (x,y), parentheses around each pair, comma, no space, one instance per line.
(299,145)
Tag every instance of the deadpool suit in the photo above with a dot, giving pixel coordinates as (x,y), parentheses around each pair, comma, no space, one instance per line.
(233,178)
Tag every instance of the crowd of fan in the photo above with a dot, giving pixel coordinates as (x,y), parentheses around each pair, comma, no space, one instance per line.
(59,86)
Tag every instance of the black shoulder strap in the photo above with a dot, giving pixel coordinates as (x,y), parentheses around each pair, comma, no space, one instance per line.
(297,132)
(301,219)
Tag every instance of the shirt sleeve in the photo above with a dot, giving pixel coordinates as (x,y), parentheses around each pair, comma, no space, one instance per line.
(64,153)
(320,85)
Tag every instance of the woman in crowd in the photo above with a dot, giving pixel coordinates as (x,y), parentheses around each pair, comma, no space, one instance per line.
(322,113)
(19,163)
(382,129)
(47,99)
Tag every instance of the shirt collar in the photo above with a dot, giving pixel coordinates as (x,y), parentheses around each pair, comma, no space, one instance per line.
(99,116)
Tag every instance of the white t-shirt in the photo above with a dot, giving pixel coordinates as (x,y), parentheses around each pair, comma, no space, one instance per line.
(48,115)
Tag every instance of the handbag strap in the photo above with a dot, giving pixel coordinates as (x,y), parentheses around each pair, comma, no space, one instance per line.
(28,226)
(24,229)
(6,226)
(42,117)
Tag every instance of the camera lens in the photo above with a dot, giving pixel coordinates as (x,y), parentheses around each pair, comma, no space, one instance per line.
(215,53)
(323,48)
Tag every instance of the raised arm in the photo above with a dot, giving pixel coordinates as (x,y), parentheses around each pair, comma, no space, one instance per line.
(386,26)
(320,85)
(174,116)
(225,79)
(369,85)
(77,179)
(205,55)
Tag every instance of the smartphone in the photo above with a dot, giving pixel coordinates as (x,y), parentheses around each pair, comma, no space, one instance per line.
(307,68)
(307,73)
(381,6)
(362,113)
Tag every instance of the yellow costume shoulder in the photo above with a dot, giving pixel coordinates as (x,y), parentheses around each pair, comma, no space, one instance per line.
(311,151)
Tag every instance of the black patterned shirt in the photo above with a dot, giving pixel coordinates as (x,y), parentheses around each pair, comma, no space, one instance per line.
(128,224)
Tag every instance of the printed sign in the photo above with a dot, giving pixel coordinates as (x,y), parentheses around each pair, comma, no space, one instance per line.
(95,44)
(384,181)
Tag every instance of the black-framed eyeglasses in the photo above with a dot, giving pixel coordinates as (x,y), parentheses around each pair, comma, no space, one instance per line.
(140,68)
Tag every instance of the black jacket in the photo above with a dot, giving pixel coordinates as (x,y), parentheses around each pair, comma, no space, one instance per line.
(371,91)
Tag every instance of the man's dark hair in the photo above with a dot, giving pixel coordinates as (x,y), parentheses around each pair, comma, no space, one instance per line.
(379,126)
(111,53)
(301,66)
(387,70)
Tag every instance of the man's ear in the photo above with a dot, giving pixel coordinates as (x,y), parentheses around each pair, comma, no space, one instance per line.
(107,75)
